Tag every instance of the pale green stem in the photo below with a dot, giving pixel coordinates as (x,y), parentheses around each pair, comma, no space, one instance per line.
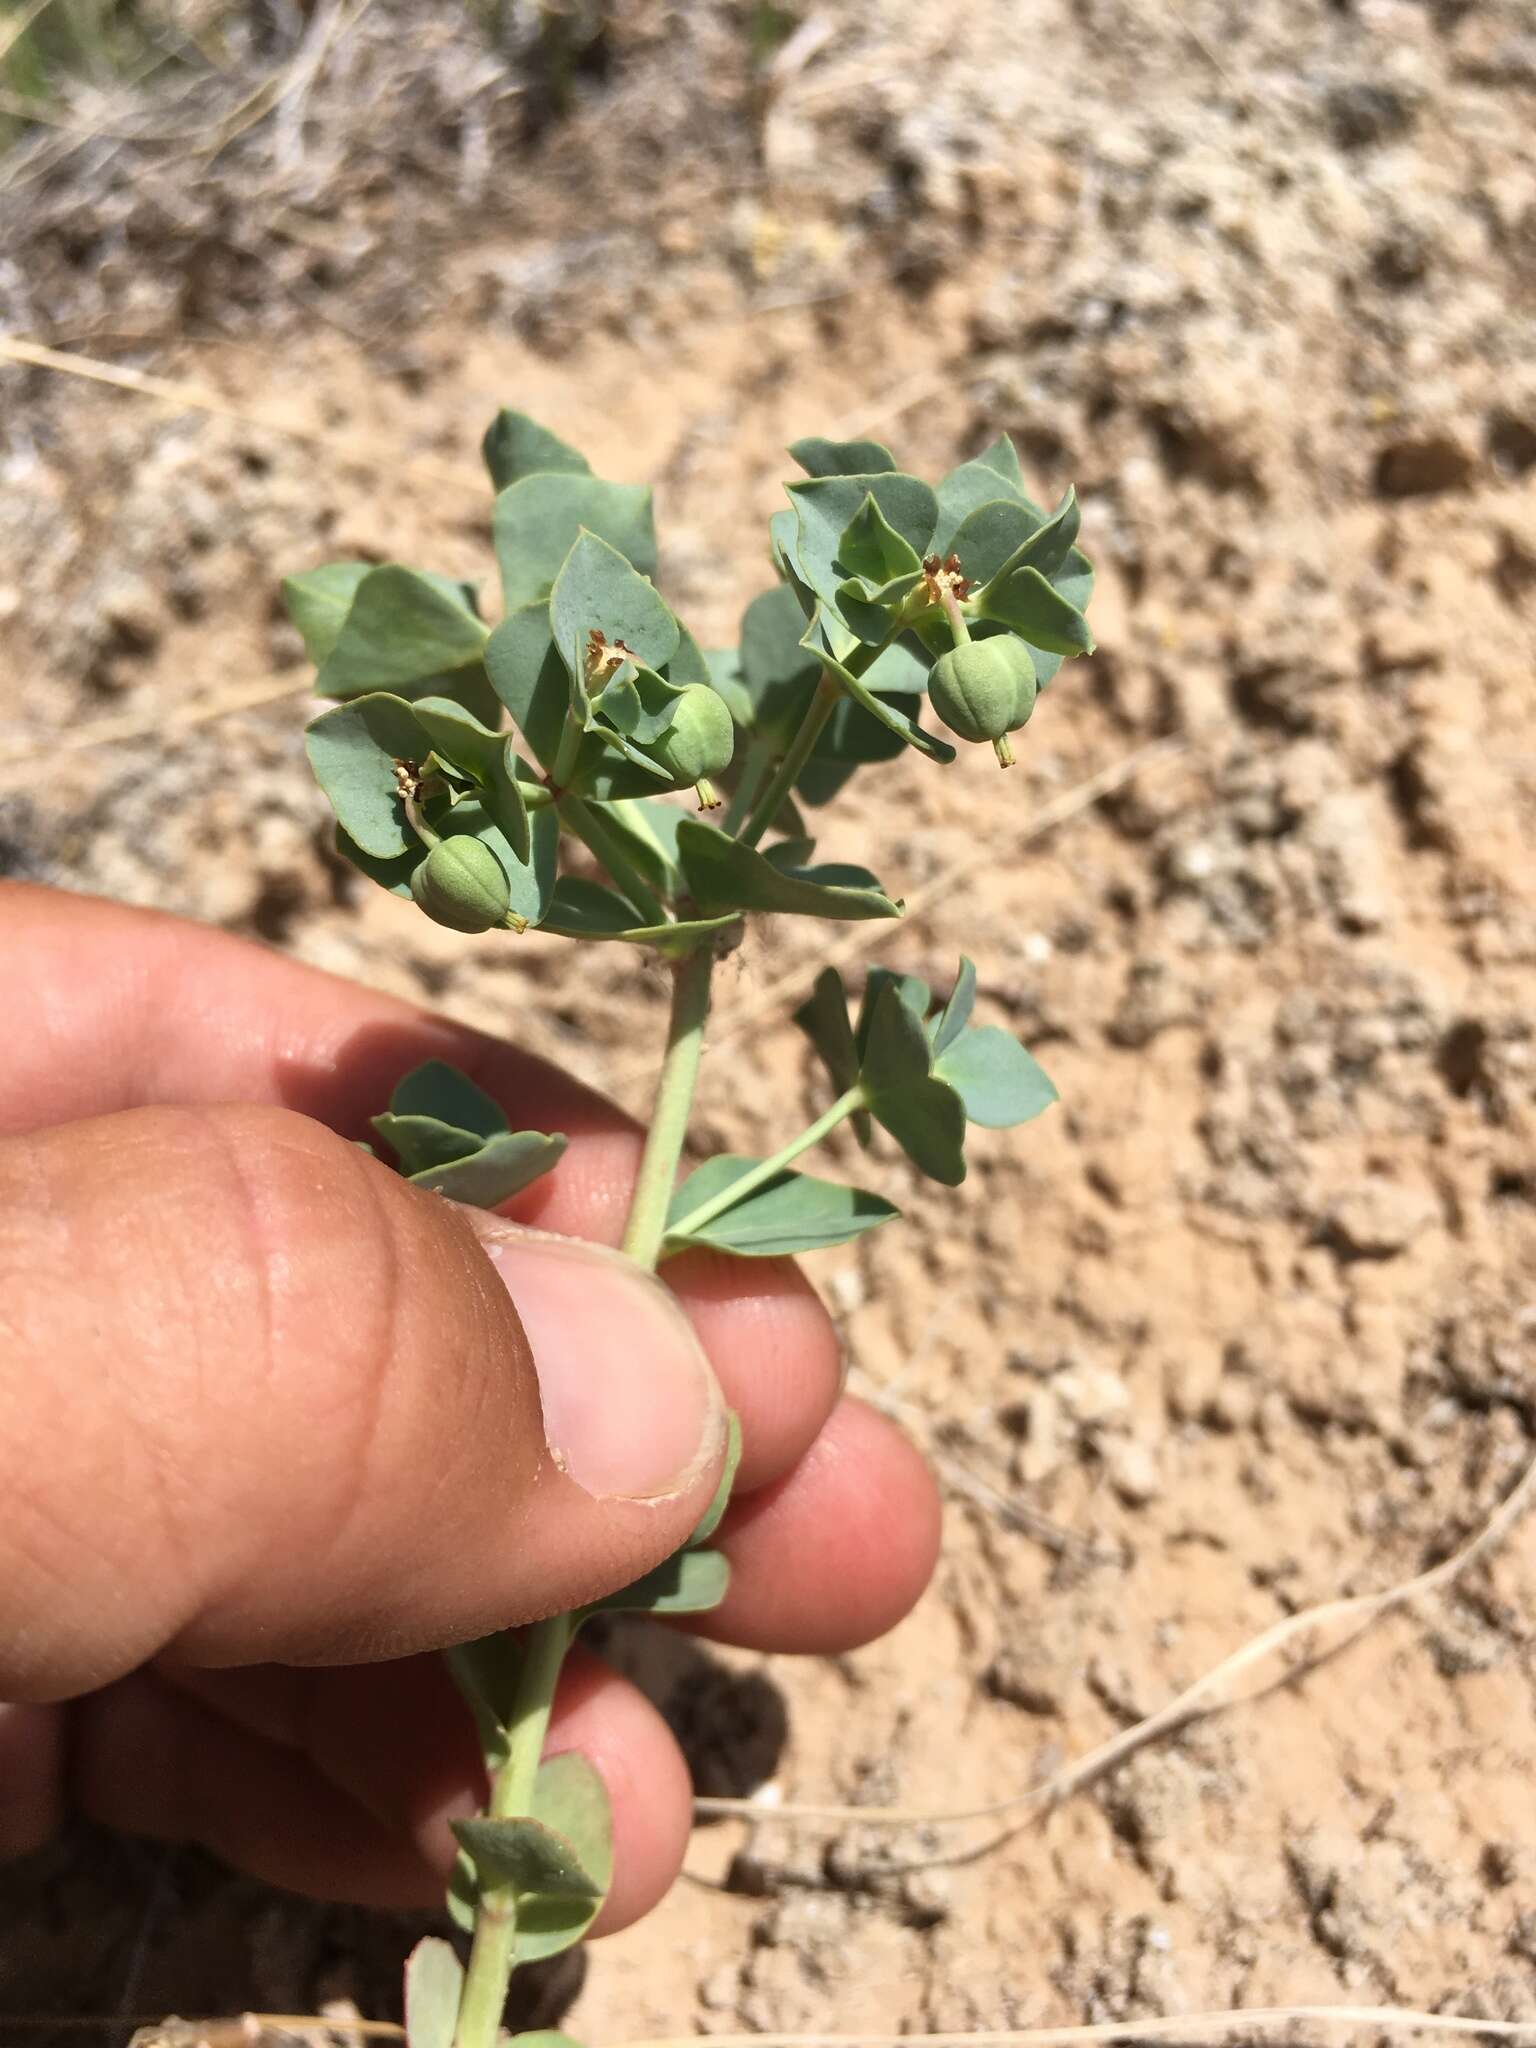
(596,833)
(493,1952)
(759,753)
(669,1113)
(787,774)
(769,1169)
(956,617)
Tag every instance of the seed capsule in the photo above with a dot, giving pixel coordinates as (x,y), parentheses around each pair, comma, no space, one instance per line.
(700,740)
(985,689)
(461,884)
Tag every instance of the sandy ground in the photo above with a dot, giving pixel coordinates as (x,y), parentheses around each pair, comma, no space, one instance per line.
(1247,1323)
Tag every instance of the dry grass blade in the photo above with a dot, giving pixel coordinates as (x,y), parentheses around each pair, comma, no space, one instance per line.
(16,28)
(106,732)
(194,398)
(1280,1654)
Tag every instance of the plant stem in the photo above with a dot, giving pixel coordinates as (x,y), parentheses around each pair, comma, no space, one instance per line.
(598,835)
(758,754)
(669,1113)
(762,814)
(493,1952)
(768,1169)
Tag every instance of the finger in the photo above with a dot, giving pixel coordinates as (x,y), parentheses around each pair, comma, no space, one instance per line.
(857,1523)
(264,1400)
(174,1012)
(383,1756)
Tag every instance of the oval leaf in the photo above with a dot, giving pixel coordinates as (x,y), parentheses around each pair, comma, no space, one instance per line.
(536,522)
(999,1082)
(318,603)
(500,1168)
(402,627)
(791,1213)
(353,751)
(723,875)
(526,1855)
(596,587)
(434,1981)
(820,457)
(516,446)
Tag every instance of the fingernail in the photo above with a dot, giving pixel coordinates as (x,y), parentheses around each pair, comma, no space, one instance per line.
(632,1410)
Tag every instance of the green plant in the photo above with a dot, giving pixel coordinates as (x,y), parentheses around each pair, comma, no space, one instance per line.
(888,590)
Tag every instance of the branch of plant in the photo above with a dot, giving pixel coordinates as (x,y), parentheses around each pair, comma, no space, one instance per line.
(595,833)
(493,1950)
(769,1169)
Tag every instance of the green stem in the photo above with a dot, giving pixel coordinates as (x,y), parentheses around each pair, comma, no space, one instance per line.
(599,836)
(759,753)
(762,814)
(769,1169)
(956,618)
(669,1114)
(493,1951)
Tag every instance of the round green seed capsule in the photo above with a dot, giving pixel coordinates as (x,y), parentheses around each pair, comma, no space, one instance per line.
(461,884)
(700,740)
(984,689)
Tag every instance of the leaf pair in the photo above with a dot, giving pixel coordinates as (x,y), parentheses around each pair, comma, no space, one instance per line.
(546,495)
(447,1135)
(923,1077)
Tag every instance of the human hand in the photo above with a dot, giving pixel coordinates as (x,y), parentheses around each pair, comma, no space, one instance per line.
(273,1423)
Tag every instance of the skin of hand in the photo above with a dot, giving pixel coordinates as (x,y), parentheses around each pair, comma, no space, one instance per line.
(275,1426)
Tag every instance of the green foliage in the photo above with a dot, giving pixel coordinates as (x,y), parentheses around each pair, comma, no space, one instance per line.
(434,1977)
(791,1213)
(891,591)
(557,1860)
(450,1137)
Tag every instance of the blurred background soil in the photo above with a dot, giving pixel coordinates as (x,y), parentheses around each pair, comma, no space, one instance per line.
(1249,1321)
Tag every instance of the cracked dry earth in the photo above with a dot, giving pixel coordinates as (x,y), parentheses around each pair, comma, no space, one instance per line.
(1249,1321)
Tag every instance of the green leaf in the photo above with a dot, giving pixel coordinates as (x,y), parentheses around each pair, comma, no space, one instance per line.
(648,829)
(582,909)
(689,1582)
(434,1981)
(724,666)
(778,671)
(571,1800)
(1034,609)
(318,602)
(540,2037)
(723,875)
(791,1213)
(823,1017)
(529,677)
(491,757)
(977,483)
(825,507)
(501,1168)
(597,588)
(873,550)
(403,627)
(957,1011)
(818,641)
(1051,547)
(991,536)
(516,446)
(536,521)
(392,872)
(1002,458)
(419,1142)
(526,1855)
(353,751)
(713,1515)
(999,1083)
(924,1115)
(819,457)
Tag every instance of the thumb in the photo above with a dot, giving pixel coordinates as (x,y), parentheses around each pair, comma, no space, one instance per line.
(264,1401)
